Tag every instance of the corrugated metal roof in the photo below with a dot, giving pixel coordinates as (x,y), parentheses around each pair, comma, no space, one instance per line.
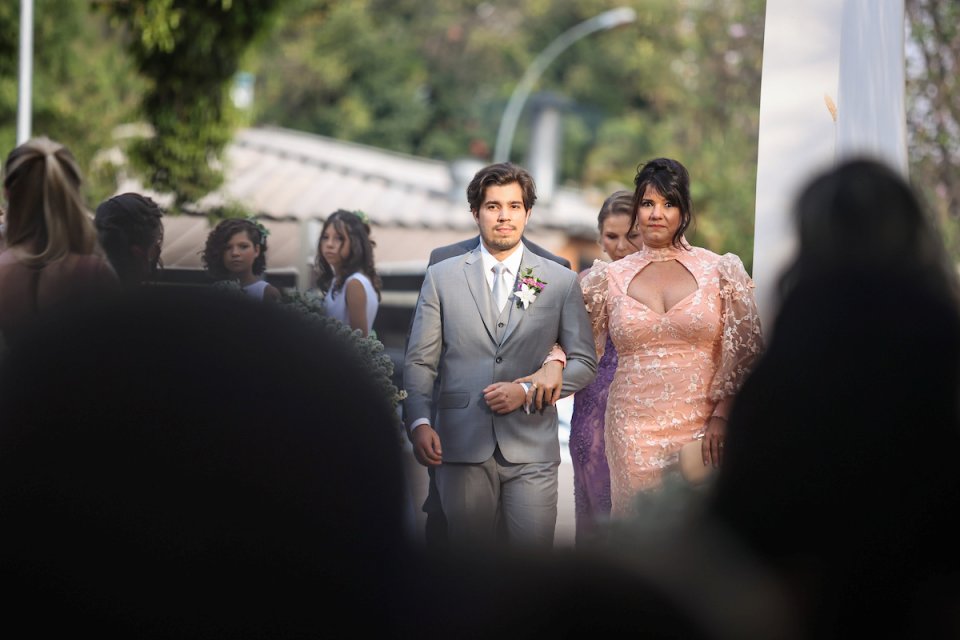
(297,179)
(282,173)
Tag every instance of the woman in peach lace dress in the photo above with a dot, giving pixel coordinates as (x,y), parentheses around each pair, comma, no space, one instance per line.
(685,326)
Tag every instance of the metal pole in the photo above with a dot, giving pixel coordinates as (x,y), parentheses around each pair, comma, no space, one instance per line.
(511,115)
(25,87)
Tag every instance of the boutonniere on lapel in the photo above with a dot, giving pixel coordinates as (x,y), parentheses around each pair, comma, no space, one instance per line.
(528,288)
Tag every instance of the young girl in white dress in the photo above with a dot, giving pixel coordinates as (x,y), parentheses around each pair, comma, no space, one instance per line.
(237,250)
(346,273)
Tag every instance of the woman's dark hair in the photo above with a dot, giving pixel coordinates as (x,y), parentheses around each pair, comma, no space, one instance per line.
(212,256)
(619,203)
(672,181)
(863,216)
(126,220)
(499,175)
(360,258)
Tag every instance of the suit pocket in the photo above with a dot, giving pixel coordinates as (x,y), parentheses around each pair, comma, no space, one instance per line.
(453,400)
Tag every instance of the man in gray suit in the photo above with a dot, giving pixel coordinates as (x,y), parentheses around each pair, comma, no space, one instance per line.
(435,526)
(484,319)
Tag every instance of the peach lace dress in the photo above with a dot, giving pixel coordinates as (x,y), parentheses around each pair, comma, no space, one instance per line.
(674,367)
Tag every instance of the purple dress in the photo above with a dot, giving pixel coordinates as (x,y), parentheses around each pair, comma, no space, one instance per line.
(591,476)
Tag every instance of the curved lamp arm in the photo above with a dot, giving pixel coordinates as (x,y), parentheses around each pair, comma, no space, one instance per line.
(511,115)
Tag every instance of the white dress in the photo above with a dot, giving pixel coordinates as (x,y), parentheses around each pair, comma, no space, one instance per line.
(335,304)
(256,289)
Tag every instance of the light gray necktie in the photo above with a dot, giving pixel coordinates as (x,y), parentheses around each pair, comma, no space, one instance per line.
(501,290)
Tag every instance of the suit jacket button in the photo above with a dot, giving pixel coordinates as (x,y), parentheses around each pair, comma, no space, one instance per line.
(500,324)
(499,359)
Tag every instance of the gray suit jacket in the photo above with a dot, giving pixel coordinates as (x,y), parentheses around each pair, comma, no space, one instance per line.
(454,335)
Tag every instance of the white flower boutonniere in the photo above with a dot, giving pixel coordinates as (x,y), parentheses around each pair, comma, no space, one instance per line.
(528,288)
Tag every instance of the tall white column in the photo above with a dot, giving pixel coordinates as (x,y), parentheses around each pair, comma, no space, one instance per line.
(822,59)
(872,112)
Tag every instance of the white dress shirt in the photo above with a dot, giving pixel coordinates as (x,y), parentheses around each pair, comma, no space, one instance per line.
(511,264)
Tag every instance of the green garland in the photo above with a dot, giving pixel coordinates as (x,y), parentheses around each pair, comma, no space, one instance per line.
(374,362)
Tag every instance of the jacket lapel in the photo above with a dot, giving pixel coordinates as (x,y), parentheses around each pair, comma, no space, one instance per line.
(477,284)
(529,261)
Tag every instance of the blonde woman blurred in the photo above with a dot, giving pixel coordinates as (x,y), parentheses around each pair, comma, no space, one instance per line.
(51,256)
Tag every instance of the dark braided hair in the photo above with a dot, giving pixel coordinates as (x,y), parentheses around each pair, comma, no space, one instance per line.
(350,225)
(212,256)
(125,221)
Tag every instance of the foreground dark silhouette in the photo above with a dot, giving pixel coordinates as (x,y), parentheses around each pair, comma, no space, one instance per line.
(186,463)
(840,473)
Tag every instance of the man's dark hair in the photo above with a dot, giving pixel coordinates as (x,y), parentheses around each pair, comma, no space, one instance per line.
(499,175)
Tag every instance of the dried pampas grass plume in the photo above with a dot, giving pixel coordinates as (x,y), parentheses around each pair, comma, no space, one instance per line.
(831,106)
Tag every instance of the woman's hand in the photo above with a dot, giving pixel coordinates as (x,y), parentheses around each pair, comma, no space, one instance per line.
(545,385)
(713,437)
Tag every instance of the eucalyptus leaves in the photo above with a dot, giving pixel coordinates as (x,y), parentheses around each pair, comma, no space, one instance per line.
(374,361)
(370,355)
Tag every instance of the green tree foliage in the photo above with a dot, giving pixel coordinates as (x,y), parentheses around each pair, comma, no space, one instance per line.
(188,51)
(400,75)
(933,109)
(433,79)
(82,88)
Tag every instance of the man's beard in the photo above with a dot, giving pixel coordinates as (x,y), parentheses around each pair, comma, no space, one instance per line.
(503,244)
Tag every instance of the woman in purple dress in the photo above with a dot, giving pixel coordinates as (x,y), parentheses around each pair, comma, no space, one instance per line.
(591,476)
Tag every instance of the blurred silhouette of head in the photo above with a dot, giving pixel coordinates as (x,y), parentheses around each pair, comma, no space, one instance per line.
(130,229)
(863,216)
(183,461)
(839,465)
(46,217)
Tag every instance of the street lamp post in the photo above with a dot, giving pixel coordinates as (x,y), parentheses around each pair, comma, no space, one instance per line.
(511,115)
(25,88)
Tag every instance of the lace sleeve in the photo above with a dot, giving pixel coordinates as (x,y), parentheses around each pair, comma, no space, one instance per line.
(742,340)
(594,287)
(556,353)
